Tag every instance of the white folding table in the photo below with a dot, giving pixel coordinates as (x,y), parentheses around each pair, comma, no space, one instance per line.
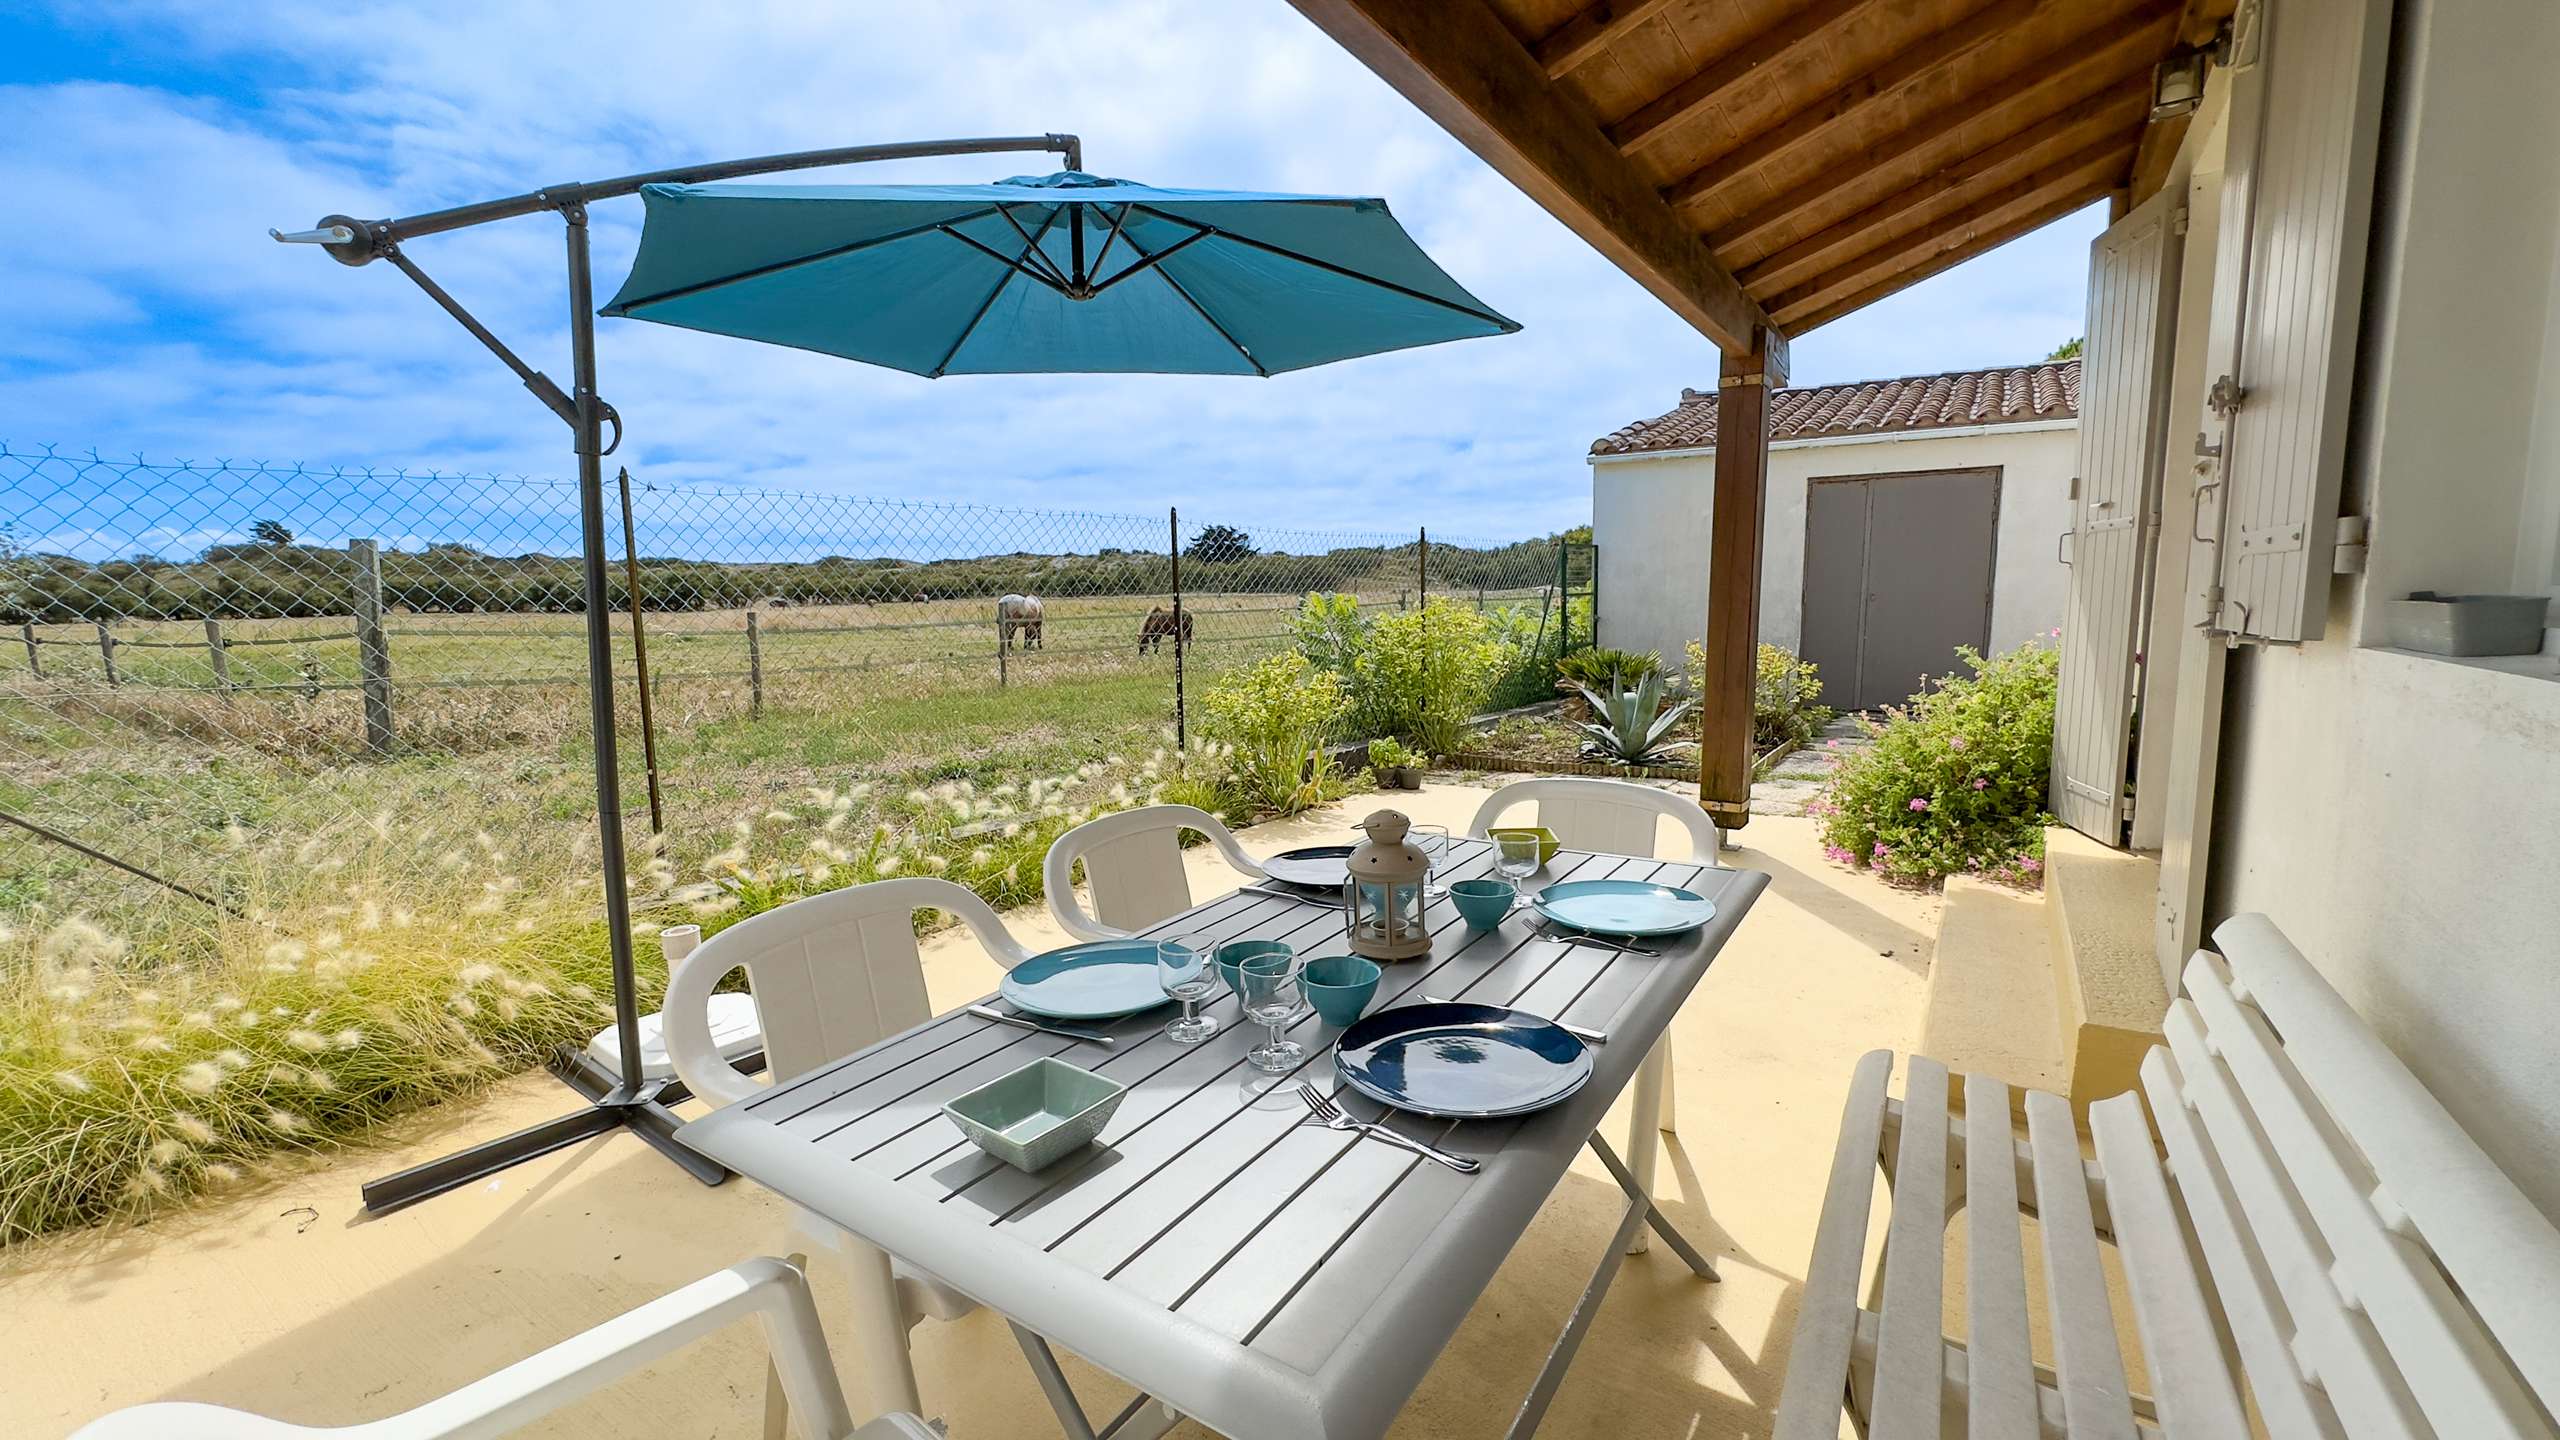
(1271,1278)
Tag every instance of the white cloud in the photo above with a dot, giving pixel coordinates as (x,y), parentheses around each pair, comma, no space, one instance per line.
(161,319)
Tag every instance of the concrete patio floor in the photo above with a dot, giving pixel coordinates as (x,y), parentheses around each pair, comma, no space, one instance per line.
(287,1300)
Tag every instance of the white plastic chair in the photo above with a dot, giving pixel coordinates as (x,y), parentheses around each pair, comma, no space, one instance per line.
(773,1290)
(1615,816)
(1618,817)
(1133,865)
(831,974)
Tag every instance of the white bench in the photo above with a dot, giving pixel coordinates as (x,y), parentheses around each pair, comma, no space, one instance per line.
(2323,1245)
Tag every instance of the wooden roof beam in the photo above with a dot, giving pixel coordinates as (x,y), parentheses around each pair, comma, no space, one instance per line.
(2094,60)
(1703,91)
(1924,58)
(1587,35)
(2113,113)
(1457,61)
(2092,171)
(2043,215)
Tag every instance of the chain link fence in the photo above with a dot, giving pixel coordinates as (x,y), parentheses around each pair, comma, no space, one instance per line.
(190,647)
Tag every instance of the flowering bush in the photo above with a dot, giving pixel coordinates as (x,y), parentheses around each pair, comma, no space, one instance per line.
(1954,782)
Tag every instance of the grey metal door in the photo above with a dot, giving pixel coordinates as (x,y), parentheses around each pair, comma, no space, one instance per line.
(1897,574)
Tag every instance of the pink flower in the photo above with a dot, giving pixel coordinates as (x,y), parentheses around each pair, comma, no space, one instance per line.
(1981,784)
(1830,744)
(2031,865)
(1838,854)
(1955,742)
(1919,802)
(2057,632)
(1879,853)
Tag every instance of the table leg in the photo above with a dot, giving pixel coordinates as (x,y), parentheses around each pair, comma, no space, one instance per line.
(1653,1215)
(1644,1145)
(878,1334)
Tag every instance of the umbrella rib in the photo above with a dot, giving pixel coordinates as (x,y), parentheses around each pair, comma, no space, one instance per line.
(1117,221)
(1507,325)
(1012,263)
(943,366)
(1151,261)
(680,292)
(1197,308)
(1031,247)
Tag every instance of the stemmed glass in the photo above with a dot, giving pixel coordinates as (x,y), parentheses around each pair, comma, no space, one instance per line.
(1182,968)
(1272,998)
(1433,842)
(1515,856)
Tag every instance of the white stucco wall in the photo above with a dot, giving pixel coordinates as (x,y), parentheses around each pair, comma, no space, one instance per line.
(1650,517)
(2399,815)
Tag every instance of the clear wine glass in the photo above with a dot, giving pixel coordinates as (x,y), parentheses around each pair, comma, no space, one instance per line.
(1272,998)
(1515,856)
(1433,842)
(1182,968)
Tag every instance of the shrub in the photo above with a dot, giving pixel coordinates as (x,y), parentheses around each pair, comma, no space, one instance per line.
(1784,689)
(1954,782)
(1277,715)
(1388,753)
(1607,671)
(1424,673)
(1330,629)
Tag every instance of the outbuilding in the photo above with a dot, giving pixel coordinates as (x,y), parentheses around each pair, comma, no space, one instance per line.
(1904,518)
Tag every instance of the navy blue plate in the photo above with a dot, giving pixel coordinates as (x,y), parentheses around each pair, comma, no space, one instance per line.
(1461,1061)
(1315,867)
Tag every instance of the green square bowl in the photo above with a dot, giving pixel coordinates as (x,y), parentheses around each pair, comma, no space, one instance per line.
(1037,1115)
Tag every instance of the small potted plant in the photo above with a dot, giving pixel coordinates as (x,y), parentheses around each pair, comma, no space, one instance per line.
(1398,765)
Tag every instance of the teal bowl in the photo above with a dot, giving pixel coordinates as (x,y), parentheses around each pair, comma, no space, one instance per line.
(1483,903)
(1229,958)
(1339,987)
(1037,1115)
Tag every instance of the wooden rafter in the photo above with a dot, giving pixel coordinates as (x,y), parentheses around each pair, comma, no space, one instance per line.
(2087,176)
(1582,38)
(1930,55)
(1458,62)
(1991,240)
(2113,114)
(1710,86)
(2097,59)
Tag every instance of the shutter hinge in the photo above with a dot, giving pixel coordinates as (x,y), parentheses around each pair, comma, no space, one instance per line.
(2178,221)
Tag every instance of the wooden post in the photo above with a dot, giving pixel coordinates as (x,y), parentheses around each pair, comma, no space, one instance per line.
(755,665)
(35,660)
(1733,579)
(373,648)
(219,654)
(107,652)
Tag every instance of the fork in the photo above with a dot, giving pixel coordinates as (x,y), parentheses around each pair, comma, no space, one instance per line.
(1335,1118)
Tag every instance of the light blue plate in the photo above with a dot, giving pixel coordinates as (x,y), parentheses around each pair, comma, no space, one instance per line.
(1624,907)
(1101,980)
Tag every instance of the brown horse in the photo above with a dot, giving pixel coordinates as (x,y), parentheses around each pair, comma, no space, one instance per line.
(1160,626)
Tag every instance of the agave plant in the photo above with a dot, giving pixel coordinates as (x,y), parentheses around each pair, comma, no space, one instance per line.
(1631,724)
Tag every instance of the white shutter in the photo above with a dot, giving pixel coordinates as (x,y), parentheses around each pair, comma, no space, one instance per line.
(2124,377)
(2319,71)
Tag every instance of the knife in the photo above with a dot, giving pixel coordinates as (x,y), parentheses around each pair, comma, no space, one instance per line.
(989,1012)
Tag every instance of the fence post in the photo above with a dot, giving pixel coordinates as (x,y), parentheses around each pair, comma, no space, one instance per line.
(1422,568)
(373,648)
(1181,720)
(107,652)
(1002,659)
(1564,600)
(220,655)
(755,664)
(35,661)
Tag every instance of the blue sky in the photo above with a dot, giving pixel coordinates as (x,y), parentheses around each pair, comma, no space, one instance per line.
(147,146)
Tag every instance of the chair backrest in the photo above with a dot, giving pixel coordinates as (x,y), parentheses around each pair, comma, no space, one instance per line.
(2371,1260)
(1616,817)
(773,1290)
(830,973)
(1133,866)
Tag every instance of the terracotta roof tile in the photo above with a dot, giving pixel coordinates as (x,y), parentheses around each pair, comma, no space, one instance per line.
(1870,407)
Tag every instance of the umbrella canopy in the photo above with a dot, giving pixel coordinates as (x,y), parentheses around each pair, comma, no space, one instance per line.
(1045,274)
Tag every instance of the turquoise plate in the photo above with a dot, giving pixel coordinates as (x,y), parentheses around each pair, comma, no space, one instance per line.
(1623,907)
(1102,980)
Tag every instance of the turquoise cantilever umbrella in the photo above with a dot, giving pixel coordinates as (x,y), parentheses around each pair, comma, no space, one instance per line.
(1045,274)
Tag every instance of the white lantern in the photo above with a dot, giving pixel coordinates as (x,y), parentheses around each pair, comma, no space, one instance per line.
(1383,897)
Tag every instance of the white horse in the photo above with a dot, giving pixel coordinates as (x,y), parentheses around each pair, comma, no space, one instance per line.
(1018,614)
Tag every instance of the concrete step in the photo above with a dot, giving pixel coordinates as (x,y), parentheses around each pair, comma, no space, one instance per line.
(1992,1001)
(2110,995)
